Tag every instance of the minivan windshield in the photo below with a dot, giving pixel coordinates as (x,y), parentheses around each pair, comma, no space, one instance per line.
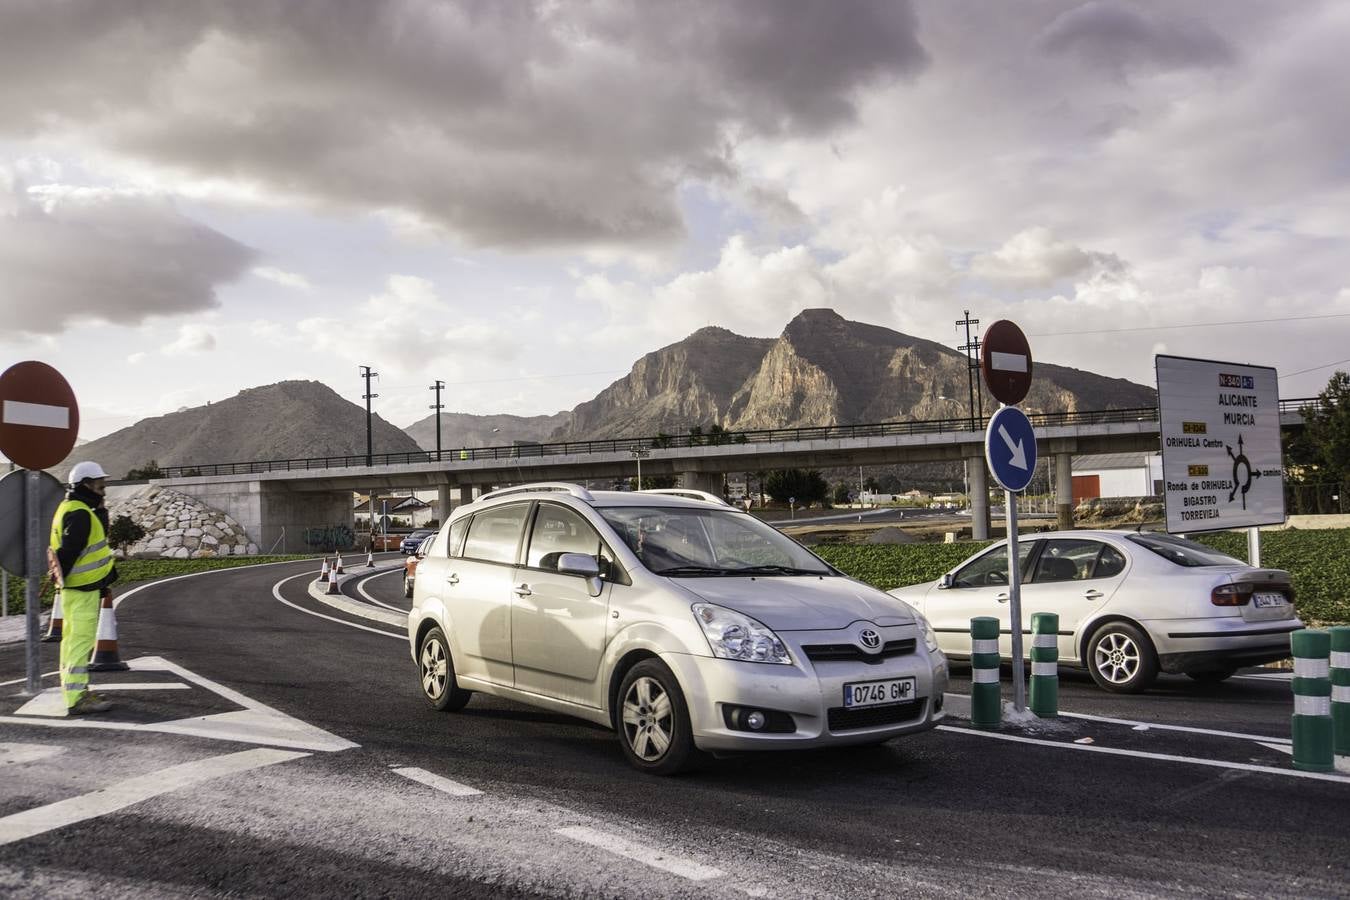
(1183,552)
(690,542)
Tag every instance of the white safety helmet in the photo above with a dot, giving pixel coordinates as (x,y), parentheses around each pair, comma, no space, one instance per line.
(82,470)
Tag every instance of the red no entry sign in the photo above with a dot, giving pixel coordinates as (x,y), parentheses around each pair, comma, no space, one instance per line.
(39,418)
(1005,360)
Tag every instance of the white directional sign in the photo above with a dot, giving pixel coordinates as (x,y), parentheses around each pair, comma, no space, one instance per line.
(1220,424)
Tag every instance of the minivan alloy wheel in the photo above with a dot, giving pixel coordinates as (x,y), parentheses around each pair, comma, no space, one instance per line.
(648,719)
(433,669)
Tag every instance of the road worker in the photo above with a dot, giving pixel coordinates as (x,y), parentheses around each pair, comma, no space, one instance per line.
(82,562)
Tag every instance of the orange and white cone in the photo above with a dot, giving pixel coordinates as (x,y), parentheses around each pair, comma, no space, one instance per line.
(53,635)
(370,559)
(337,565)
(323,570)
(333,582)
(105,658)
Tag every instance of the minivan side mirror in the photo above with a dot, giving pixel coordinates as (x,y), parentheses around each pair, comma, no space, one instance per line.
(946,581)
(586,566)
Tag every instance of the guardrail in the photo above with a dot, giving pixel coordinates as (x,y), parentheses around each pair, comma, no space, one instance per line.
(675,441)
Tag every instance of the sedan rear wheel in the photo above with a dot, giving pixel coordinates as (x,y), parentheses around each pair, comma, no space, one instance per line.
(653,721)
(1121,658)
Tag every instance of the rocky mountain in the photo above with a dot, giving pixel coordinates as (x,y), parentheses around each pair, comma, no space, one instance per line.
(822,370)
(290,419)
(687,383)
(465,430)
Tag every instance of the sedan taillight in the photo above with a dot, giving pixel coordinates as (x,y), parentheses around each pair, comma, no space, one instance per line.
(1231,595)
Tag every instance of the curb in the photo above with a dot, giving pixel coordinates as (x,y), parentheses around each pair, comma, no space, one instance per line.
(354,608)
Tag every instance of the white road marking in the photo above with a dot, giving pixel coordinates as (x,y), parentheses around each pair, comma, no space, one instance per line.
(1189,729)
(117,601)
(1140,754)
(37,821)
(657,859)
(23,680)
(361,589)
(40,415)
(432,780)
(141,686)
(257,723)
(1342,763)
(276,592)
(14,754)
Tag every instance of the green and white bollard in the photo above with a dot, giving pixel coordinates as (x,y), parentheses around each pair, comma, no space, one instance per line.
(1312,701)
(1045,664)
(1340,688)
(986,700)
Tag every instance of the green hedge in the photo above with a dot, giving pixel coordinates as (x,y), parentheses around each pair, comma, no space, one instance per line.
(1319,562)
(132,571)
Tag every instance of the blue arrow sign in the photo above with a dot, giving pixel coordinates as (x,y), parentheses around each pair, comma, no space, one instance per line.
(1010,448)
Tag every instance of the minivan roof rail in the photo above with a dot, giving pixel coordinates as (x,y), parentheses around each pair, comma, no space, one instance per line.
(690,493)
(575,490)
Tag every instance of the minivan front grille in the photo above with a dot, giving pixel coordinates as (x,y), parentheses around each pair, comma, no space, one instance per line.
(854,653)
(845,719)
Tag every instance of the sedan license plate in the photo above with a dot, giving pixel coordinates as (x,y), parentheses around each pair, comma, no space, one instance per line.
(878,693)
(1263,601)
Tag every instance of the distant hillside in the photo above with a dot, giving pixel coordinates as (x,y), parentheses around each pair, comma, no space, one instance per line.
(465,430)
(822,370)
(288,420)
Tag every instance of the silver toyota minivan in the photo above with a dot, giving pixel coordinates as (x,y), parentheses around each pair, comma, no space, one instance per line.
(681,622)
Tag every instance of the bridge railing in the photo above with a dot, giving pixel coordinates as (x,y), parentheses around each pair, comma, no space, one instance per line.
(675,441)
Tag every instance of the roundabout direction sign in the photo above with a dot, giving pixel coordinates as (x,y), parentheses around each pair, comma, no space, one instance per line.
(1010,448)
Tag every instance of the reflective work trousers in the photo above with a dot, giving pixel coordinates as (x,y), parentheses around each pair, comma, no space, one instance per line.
(78,631)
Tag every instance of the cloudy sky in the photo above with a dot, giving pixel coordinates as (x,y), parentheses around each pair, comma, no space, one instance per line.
(520,199)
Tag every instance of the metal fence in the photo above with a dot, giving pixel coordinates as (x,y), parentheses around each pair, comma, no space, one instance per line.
(675,441)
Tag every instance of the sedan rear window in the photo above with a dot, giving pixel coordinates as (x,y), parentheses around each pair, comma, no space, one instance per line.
(1183,552)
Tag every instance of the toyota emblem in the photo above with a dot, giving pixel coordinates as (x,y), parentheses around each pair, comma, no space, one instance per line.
(870,639)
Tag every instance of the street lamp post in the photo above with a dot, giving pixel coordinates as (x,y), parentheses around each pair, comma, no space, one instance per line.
(639,453)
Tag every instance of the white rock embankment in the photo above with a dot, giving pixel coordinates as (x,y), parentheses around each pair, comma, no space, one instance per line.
(178,526)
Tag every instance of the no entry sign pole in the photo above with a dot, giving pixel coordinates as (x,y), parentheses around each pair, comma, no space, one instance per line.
(1015,601)
(39,421)
(1010,449)
(33,556)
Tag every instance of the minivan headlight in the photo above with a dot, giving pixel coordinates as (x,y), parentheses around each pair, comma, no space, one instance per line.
(732,635)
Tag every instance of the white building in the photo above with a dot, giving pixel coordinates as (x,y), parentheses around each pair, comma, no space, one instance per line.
(1117,475)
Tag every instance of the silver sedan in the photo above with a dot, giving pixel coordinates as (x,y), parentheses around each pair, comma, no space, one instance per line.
(1129,605)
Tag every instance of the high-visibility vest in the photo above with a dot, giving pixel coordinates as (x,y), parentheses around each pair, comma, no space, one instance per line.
(94,564)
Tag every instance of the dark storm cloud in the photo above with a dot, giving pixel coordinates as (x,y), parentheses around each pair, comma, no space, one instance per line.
(1118,35)
(510,123)
(111,258)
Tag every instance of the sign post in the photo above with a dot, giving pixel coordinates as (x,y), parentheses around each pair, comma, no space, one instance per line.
(1010,450)
(39,421)
(1222,464)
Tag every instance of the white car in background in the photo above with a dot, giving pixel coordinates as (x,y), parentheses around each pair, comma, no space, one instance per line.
(682,623)
(1130,604)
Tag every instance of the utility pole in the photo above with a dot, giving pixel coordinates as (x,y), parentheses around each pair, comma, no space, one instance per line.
(968,346)
(368,396)
(437,387)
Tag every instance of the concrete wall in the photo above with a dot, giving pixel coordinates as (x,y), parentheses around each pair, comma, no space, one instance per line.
(274,515)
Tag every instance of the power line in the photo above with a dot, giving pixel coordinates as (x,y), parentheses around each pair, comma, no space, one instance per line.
(1338,362)
(518,378)
(1191,325)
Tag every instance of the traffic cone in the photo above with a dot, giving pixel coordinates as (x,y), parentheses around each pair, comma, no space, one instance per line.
(370,559)
(333,582)
(53,635)
(323,570)
(337,565)
(105,658)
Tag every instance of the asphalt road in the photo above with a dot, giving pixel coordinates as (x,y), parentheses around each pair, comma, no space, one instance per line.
(327,775)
